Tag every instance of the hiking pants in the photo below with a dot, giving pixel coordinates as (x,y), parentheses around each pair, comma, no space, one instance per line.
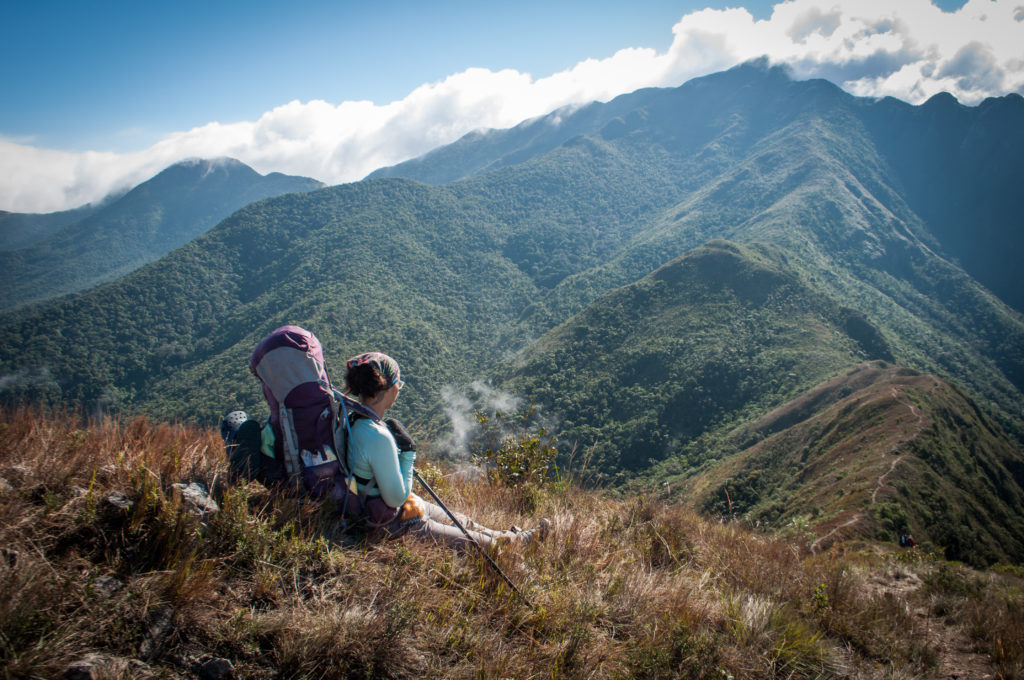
(435,524)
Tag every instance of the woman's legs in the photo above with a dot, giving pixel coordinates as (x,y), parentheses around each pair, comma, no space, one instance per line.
(437,514)
(434,523)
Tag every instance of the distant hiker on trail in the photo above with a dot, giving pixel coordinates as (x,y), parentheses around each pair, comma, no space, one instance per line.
(907,541)
(382,454)
(325,444)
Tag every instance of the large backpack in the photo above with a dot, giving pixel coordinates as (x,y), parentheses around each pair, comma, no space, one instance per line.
(309,418)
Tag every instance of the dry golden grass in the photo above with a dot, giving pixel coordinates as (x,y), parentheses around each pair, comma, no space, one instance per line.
(624,587)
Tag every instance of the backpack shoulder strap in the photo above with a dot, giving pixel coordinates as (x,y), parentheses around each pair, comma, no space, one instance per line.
(290,443)
(346,411)
(354,407)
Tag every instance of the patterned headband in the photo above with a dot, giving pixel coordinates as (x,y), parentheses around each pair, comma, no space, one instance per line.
(384,364)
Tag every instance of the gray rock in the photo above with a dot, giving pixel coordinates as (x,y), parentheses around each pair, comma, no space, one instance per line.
(107,473)
(119,500)
(216,669)
(19,474)
(161,621)
(196,499)
(106,586)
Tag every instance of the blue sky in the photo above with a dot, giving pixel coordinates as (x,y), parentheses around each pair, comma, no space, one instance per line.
(117,75)
(104,94)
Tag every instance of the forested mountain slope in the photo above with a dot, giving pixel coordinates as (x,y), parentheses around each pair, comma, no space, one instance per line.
(18,230)
(961,168)
(957,167)
(151,220)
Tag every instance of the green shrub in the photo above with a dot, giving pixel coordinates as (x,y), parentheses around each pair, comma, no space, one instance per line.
(515,459)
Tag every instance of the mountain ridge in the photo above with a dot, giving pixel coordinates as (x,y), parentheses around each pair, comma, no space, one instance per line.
(935,456)
(888,120)
(152,219)
(533,236)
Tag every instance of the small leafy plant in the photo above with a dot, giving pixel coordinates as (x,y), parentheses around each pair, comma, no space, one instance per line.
(517,455)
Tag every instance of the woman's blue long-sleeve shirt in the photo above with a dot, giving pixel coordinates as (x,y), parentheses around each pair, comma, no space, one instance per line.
(373,454)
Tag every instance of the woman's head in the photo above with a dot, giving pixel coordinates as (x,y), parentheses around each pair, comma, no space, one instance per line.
(367,375)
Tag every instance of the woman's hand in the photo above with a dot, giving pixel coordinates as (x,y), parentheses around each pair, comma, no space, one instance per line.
(412,508)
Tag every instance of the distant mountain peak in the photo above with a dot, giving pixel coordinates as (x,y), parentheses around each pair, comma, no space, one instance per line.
(196,171)
(762,66)
(98,243)
(942,99)
(225,161)
(204,166)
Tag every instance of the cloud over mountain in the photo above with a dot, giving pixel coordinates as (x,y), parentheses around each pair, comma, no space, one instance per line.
(910,50)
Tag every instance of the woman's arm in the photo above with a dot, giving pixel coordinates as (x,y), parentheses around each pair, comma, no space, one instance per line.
(391,469)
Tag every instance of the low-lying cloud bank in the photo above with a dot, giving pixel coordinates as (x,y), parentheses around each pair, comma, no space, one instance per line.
(908,49)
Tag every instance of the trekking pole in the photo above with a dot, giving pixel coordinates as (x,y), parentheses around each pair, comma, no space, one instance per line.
(471,539)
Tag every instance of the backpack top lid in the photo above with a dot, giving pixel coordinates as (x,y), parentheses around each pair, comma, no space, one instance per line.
(290,365)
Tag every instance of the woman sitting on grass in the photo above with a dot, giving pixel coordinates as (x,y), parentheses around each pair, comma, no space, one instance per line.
(382,455)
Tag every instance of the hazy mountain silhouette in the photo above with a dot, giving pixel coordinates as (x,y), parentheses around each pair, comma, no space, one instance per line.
(149,221)
(18,230)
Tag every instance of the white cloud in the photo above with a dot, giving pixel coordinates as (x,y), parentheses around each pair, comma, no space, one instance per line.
(461,407)
(908,49)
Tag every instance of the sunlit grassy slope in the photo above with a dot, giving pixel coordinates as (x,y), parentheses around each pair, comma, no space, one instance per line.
(877,452)
(101,563)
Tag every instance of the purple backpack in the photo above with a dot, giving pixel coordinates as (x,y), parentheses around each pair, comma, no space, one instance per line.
(309,418)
